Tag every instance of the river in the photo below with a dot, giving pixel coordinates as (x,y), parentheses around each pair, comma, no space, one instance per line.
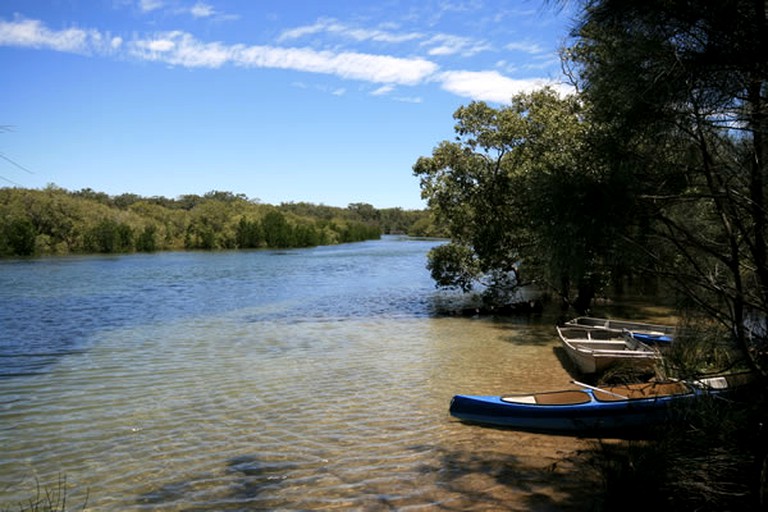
(311,379)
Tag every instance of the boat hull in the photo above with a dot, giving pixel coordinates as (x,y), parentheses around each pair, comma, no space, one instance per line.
(630,410)
(616,419)
(594,354)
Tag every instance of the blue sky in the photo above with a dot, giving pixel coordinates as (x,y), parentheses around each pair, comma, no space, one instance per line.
(330,102)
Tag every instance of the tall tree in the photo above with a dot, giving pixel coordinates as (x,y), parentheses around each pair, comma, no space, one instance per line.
(678,90)
(511,190)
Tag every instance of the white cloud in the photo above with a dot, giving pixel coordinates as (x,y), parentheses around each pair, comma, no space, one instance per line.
(383,90)
(489,85)
(408,99)
(150,5)
(445,44)
(202,10)
(439,44)
(525,47)
(349,65)
(157,45)
(183,49)
(332,26)
(33,34)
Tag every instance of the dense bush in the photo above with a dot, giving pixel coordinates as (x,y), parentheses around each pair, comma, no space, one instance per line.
(57,221)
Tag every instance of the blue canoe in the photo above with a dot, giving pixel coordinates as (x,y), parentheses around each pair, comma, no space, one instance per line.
(613,411)
(647,337)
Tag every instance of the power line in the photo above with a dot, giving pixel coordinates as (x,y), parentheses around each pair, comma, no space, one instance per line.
(11,181)
(15,164)
(8,128)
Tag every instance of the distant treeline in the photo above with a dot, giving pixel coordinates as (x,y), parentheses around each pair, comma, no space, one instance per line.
(58,221)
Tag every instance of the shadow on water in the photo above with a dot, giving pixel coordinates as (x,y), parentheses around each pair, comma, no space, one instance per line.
(527,330)
(256,476)
(524,486)
(569,366)
(455,479)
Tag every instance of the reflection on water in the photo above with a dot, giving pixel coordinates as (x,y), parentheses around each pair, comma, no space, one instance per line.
(315,379)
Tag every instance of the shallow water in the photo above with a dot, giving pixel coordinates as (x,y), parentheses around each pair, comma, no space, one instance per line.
(313,379)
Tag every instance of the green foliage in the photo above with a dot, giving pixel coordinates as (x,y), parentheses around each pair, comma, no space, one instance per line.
(518,191)
(704,463)
(454,266)
(249,234)
(678,91)
(147,241)
(357,232)
(56,221)
(18,238)
(109,236)
(277,232)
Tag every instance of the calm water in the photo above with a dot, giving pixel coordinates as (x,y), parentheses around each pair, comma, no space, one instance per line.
(314,379)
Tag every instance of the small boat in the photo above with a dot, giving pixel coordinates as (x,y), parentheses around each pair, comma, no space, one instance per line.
(647,333)
(628,410)
(595,350)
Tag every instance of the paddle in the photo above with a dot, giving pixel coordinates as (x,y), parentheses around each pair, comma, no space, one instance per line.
(593,388)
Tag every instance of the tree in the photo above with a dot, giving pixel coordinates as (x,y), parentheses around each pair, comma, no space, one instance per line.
(109,236)
(278,233)
(364,212)
(511,190)
(55,221)
(147,239)
(679,93)
(249,234)
(211,225)
(19,237)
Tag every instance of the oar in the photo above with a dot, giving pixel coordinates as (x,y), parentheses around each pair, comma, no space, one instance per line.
(593,388)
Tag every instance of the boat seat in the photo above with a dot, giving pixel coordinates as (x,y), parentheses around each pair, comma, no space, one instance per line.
(550,398)
(563,398)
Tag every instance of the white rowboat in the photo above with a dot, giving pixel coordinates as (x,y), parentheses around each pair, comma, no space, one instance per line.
(595,350)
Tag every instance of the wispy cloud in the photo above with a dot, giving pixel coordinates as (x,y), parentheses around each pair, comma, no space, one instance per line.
(387,90)
(182,49)
(525,47)
(435,45)
(408,99)
(179,48)
(335,27)
(444,44)
(383,90)
(34,34)
(150,5)
(198,9)
(202,10)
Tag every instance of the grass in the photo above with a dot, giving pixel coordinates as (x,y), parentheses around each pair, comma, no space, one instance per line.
(713,460)
(709,463)
(48,498)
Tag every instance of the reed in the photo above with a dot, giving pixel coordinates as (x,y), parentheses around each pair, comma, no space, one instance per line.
(47,498)
(712,460)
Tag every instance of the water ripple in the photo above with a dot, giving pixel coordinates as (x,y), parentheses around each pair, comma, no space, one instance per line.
(323,394)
